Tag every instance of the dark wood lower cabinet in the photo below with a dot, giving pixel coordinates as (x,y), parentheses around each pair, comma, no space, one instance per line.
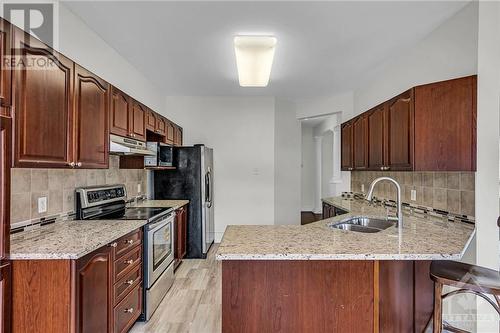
(94,276)
(331,211)
(180,235)
(325,296)
(100,292)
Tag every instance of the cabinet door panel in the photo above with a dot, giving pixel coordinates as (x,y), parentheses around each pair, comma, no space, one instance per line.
(120,111)
(94,279)
(151,121)
(5,73)
(400,132)
(161,126)
(169,132)
(445,126)
(137,121)
(359,128)
(43,105)
(177,136)
(346,138)
(376,138)
(5,184)
(92,115)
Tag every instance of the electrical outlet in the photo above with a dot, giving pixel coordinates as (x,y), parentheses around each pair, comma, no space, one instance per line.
(139,187)
(413,195)
(42,205)
(363,188)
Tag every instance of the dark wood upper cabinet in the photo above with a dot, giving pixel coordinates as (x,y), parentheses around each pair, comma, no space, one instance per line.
(376,137)
(94,282)
(43,88)
(169,132)
(347,146)
(445,125)
(151,121)
(400,135)
(5,155)
(92,101)
(359,130)
(161,125)
(120,111)
(138,121)
(177,136)
(5,73)
(431,127)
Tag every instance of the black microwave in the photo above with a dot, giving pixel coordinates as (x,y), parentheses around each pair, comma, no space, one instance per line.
(164,155)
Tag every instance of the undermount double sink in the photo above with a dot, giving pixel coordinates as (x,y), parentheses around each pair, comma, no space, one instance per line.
(363,224)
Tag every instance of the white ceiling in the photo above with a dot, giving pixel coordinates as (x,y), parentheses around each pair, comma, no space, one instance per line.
(185,48)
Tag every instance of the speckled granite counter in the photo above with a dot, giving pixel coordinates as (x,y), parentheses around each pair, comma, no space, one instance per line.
(69,239)
(161,203)
(74,239)
(423,238)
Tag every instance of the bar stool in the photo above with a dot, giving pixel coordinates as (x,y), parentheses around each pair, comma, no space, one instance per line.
(472,279)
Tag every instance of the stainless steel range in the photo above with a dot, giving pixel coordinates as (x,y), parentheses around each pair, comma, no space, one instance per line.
(109,202)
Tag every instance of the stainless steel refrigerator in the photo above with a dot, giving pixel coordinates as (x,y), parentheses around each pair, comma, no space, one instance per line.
(193,179)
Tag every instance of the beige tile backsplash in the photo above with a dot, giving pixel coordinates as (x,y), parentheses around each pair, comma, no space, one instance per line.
(449,191)
(58,185)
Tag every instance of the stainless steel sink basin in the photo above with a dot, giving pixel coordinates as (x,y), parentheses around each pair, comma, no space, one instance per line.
(363,224)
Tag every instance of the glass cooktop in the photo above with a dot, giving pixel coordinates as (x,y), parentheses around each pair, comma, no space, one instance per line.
(141,213)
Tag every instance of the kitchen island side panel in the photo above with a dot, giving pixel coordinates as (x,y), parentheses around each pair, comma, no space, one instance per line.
(297,296)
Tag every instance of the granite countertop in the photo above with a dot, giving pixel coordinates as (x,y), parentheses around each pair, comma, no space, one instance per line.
(73,239)
(423,237)
(69,239)
(160,203)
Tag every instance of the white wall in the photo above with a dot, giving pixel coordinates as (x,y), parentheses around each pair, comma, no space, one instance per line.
(449,51)
(80,43)
(326,164)
(241,132)
(287,161)
(308,180)
(488,123)
(343,103)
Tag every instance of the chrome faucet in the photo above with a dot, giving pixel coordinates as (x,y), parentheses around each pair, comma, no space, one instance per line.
(399,213)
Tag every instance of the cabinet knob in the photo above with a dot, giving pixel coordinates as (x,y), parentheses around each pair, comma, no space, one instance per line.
(129,310)
(129,241)
(114,244)
(128,262)
(71,164)
(79,164)
(129,282)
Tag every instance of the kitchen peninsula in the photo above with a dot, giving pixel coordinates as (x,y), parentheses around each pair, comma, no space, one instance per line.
(316,278)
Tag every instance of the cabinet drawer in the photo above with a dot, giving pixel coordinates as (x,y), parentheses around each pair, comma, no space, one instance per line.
(128,310)
(125,264)
(127,283)
(127,242)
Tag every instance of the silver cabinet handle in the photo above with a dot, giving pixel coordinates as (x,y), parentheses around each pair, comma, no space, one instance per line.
(128,262)
(129,241)
(130,282)
(71,164)
(129,310)
(387,168)
(79,164)
(114,244)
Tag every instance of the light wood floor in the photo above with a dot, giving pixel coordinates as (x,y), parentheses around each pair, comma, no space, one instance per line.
(194,303)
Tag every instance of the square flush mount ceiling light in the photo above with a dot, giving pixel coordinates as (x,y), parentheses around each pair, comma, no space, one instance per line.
(254,59)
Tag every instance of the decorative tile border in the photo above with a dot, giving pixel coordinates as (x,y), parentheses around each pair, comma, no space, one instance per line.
(413,208)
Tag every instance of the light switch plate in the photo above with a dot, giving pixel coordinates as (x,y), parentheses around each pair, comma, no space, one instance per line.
(363,188)
(42,205)
(139,187)
(413,195)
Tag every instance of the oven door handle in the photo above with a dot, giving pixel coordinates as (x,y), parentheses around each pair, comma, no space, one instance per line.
(159,224)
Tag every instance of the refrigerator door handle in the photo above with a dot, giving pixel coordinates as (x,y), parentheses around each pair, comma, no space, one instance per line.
(210,189)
